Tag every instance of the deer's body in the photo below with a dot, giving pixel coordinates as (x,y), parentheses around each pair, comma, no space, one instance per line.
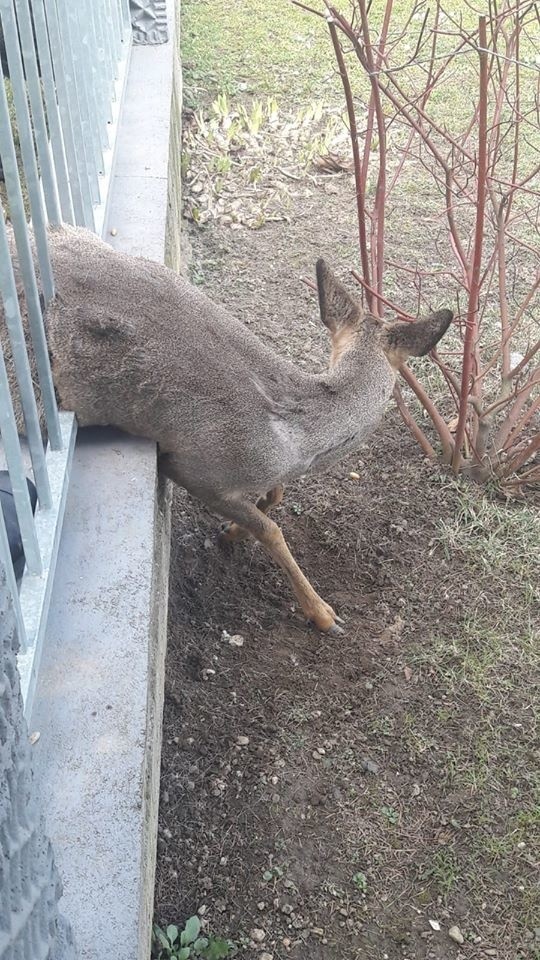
(135,346)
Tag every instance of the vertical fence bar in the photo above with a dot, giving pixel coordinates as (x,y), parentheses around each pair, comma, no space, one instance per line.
(98,73)
(9,25)
(59,149)
(76,80)
(105,59)
(5,560)
(116,32)
(71,121)
(82,23)
(18,220)
(17,475)
(38,115)
(8,290)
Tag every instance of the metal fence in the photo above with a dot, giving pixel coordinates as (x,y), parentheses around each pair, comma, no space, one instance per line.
(63,68)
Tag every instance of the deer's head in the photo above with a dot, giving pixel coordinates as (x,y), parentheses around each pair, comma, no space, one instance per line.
(348,324)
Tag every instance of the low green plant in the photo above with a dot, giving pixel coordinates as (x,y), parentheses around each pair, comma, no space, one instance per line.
(186,944)
(360,882)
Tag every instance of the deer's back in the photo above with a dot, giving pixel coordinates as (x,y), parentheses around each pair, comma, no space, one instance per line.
(136,346)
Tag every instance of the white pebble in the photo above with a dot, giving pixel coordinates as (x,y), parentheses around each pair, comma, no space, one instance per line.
(455,934)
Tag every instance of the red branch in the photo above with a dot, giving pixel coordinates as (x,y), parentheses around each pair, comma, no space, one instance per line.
(472,313)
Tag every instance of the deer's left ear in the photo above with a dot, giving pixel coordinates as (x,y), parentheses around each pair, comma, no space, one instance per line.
(402,340)
(338,309)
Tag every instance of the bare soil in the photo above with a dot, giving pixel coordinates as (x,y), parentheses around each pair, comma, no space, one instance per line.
(339,795)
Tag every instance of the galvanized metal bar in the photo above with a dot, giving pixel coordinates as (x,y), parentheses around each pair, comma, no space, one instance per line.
(17,475)
(103,24)
(8,292)
(77,80)
(59,148)
(6,562)
(97,60)
(36,591)
(116,29)
(20,230)
(105,59)
(126,15)
(80,131)
(18,85)
(71,121)
(81,29)
(38,114)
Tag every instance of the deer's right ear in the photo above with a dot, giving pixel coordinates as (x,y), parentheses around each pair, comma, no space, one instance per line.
(338,309)
(402,340)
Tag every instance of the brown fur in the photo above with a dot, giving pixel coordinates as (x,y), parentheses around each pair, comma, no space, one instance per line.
(135,346)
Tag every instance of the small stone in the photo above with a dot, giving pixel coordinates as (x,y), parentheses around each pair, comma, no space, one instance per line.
(258,935)
(114,231)
(369,766)
(456,935)
(261,905)
(208,673)
(34,737)
(354,475)
(286,942)
(202,910)
(434,924)
(242,741)
(236,641)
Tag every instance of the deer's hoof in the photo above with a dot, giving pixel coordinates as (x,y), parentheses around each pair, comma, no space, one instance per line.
(335,630)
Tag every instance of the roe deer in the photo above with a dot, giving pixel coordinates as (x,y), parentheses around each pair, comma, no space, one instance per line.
(135,346)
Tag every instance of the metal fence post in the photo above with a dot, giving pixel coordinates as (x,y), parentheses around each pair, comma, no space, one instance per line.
(149,21)
(30,923)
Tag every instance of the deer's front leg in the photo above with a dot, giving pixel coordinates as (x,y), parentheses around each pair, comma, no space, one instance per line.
(231,531)
(248,517)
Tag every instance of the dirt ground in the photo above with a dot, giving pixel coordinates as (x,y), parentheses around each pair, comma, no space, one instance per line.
(351,798)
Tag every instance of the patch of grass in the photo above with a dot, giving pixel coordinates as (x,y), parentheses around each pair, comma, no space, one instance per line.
(255,47)
(443,871)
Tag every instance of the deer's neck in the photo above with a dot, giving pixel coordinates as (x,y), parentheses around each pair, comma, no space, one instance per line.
(332,414)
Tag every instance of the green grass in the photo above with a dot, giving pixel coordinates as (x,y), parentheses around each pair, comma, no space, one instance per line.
(255,47)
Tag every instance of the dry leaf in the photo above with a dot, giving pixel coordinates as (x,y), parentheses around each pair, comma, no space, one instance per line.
(332,163)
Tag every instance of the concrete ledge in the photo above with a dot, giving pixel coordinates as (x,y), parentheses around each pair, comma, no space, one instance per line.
(99,696)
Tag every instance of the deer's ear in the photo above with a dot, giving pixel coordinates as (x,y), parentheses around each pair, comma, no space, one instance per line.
(338,309)
(402,340)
